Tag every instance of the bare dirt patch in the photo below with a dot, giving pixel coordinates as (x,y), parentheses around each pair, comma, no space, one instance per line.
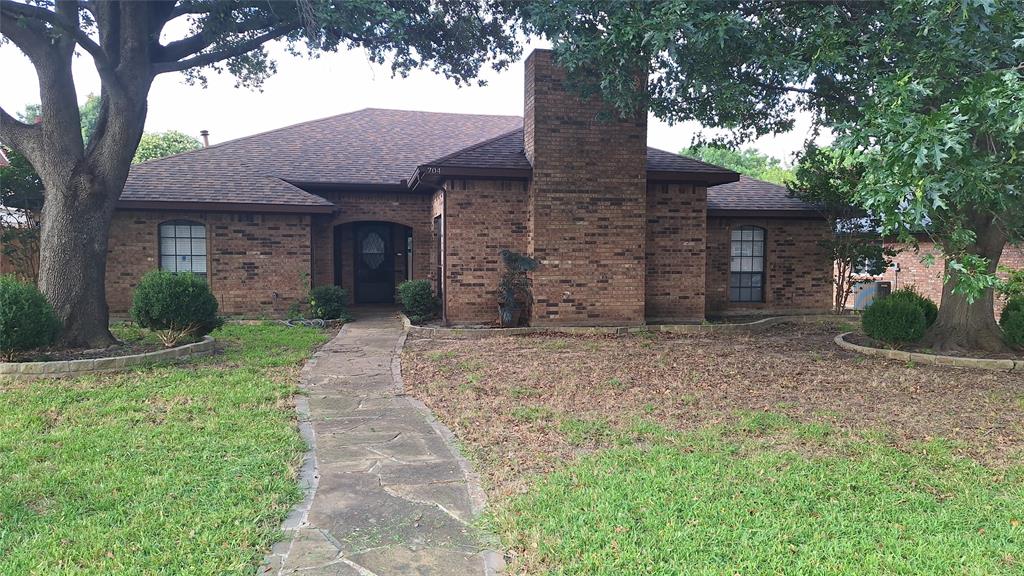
(524,404)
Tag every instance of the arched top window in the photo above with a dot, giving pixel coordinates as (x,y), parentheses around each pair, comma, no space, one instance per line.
(746,269)
(183,247)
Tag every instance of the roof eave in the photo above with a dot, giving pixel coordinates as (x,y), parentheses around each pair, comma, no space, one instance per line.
(224,207)
(435,175)
(801,214)
(705,178)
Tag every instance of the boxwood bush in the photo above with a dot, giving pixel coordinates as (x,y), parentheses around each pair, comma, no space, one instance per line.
(417,299)
(27,320)
(894,321)
(1012,322)
(328,303)
(177,307)
(911,295)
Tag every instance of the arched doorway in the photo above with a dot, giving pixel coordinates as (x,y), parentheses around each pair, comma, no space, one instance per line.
(371,258)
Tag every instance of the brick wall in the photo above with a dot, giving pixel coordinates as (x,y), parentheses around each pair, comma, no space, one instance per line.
(406,208)
(587,204)
(258,263)
(798,272)
(484,217)
(675,252)
(928,279)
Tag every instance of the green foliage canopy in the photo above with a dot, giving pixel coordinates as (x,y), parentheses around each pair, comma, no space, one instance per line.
(159,144)
(747,161)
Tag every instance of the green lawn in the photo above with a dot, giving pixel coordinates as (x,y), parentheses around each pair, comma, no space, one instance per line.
(185,469)
(738,500)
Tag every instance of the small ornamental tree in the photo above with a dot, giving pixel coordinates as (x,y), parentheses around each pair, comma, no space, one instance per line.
(829,180)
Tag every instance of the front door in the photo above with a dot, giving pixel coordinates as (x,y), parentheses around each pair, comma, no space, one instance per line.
(374,264)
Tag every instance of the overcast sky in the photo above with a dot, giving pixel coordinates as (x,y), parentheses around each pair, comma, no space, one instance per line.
(306,89)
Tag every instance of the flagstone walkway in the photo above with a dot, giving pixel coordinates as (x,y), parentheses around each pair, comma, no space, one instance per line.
(387,493)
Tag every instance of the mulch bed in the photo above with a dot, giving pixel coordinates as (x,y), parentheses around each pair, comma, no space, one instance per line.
(115,351)
(862,339)
(505,397)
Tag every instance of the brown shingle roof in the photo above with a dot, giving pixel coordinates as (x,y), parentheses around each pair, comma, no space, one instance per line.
(749,194)
(385,147)
(505,152)
(370,146)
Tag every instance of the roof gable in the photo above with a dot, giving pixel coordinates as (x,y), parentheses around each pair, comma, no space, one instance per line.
(752,195)
(503,155)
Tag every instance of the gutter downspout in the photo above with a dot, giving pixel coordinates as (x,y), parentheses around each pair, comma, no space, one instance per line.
(444,254)
(443,264)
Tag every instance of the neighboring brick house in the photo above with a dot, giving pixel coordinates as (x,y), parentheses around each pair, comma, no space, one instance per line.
(626,234)
(909,270)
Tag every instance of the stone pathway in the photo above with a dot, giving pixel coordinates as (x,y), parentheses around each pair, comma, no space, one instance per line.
(387,493)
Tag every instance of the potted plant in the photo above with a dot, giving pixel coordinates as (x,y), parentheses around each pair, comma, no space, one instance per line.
(514,288)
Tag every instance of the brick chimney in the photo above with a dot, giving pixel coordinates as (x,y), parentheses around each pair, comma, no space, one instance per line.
(587,202)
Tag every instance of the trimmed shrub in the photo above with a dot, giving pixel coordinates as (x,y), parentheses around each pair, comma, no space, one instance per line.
(27,320)
(177,307)
(910,294)
(1012,322)
(417,299)
(328,303)
(894,321)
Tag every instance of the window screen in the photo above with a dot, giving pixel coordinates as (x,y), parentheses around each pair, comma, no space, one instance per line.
(183,247)
(746,276)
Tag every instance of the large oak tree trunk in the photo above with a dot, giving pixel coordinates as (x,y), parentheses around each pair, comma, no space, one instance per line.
(73,262)
(971,326)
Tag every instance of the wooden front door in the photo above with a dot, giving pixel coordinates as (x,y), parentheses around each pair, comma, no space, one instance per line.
(374,264)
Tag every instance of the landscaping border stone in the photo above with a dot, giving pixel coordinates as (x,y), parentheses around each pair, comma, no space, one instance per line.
(1003,365)
(71,368)
(477,333)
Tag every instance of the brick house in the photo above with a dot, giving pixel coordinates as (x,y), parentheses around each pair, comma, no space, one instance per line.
(626,234)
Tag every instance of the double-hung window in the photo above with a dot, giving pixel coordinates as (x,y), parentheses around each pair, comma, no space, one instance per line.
(183,247)
(746,269)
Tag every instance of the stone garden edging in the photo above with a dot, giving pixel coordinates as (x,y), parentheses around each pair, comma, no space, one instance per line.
(932,359)
(476,333)
(70,368)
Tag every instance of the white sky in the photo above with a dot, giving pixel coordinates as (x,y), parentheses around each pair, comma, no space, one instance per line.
(306,89)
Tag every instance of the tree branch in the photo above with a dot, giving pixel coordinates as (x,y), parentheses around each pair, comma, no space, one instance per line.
(202,40)
(17,134)
(230,52)
(187,7)
(103,66)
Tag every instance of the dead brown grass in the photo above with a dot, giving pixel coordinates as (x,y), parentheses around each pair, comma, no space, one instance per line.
(508,399)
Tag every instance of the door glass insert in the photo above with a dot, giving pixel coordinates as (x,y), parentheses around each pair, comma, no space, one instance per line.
(373,250)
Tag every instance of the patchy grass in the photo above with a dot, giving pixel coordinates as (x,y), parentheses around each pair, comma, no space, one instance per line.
(175,469)
(730,503)
(729,454)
